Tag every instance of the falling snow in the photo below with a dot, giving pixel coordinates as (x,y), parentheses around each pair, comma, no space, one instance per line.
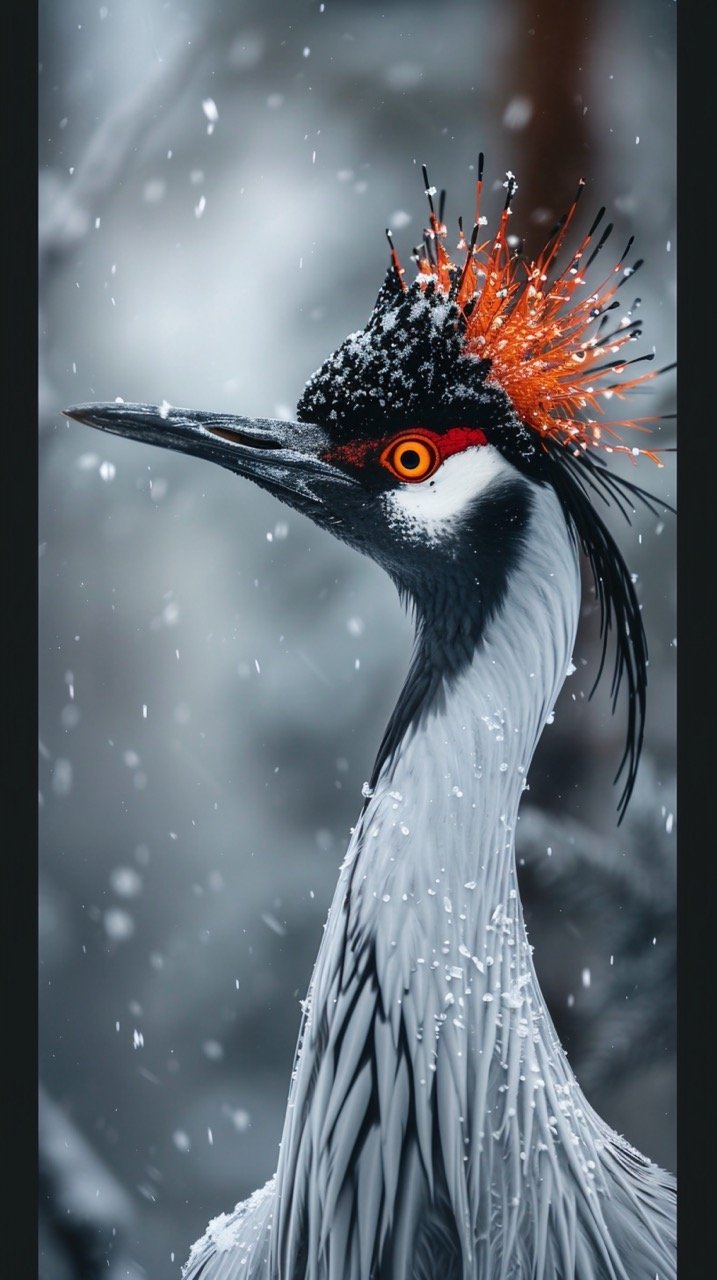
(258,838)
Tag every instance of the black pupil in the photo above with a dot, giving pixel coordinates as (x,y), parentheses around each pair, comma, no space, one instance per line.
(410,459)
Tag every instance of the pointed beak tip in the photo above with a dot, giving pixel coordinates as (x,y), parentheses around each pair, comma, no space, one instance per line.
(113,416)
(81,413)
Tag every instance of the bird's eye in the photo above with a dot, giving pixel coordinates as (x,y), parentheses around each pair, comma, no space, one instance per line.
(411,457)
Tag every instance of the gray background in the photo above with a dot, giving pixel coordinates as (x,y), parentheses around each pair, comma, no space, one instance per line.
(188,855)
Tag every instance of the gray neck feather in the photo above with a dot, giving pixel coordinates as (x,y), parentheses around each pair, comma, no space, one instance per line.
(429,1072)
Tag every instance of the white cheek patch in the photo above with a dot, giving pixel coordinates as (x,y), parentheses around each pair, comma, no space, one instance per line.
(431,508)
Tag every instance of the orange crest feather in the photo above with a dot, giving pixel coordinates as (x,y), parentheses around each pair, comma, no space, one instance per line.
(542,338)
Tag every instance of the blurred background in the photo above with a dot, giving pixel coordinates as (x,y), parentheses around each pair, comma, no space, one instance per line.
(215,674)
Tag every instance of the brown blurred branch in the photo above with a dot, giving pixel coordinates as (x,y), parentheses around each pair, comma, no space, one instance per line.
(552,56)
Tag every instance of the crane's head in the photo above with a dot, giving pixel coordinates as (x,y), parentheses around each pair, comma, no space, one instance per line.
(421,437)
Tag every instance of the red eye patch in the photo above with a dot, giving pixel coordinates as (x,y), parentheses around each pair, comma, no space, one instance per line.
(411,455)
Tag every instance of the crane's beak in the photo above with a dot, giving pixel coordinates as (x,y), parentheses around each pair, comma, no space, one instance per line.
(287,458)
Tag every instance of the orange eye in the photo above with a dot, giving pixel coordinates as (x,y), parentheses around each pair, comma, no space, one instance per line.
(411,457)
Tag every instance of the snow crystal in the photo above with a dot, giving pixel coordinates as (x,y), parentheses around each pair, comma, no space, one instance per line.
(108,471)
(118,924)
(209,107)
(62,777)
(154,191)
(241,1120)
(275,925)
(88,461)
(126,882)
(70,716)
(518,113)
(399,219)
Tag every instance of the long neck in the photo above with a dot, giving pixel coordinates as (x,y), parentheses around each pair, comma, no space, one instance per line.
(433,855)
(425,1033)
(438,830)
(429,885)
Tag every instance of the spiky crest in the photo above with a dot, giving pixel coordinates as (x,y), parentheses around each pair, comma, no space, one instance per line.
(545,342)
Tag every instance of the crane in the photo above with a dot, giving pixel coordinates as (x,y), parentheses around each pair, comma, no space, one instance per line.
(435,1129)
